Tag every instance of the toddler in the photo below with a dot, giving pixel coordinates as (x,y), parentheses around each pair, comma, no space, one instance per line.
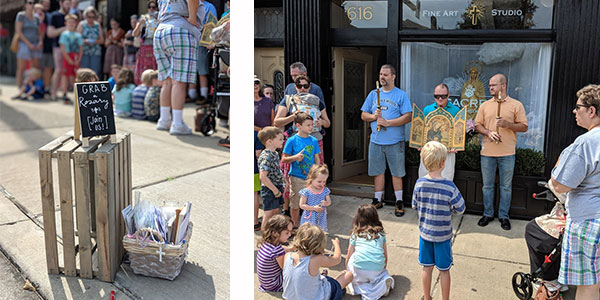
(122,93)
(86,75)
(71,46)
(33,86)
(367,255)
(271,178)
(269,259)
(315,197)
(152,100)
(139,93)
(114,73)
(435,199)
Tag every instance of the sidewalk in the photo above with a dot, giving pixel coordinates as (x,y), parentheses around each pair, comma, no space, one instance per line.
(485,259)
(165,168)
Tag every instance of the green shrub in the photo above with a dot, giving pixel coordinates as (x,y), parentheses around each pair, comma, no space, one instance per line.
(470,159)
(529,162)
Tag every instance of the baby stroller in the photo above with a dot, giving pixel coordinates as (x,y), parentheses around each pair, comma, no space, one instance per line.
(523,283)
(219,104)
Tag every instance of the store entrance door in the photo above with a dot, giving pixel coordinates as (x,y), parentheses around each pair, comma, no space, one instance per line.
(353,79)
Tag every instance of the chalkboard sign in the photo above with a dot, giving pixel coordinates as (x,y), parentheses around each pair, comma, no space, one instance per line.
(94,103)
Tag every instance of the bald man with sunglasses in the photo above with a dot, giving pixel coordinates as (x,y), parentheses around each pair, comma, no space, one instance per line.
(440,96)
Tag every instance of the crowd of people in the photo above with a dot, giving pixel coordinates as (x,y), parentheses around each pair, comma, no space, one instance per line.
(152,67)
(290,175)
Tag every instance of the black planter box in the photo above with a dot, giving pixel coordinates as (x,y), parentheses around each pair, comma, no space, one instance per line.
(523,205)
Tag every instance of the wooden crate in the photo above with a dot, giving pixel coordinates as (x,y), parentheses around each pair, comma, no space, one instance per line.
(97,181)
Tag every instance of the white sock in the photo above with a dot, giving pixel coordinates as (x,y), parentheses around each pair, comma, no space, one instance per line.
(204,92)
(165,113)
(398,195)
(192,93)
(177,116)
(378,195)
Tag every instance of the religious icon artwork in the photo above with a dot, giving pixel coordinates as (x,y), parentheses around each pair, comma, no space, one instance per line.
(211,23)
(473,90)
(439,125)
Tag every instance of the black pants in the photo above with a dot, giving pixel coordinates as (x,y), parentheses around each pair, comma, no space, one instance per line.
(540,244)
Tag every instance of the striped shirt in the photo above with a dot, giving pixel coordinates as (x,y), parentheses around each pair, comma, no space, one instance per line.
(269,272)
(137,102)
(435,200)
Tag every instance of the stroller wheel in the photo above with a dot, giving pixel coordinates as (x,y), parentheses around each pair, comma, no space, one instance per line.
(522,286)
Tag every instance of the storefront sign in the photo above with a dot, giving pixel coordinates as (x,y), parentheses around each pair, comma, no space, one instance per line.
(366,14)
(477,14)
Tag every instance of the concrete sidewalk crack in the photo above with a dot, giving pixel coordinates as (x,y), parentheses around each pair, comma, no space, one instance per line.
(21,273)
(22,208)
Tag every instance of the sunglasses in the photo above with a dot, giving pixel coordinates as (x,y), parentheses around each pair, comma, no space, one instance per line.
(440,96)
(151,7)
(32,3)
(303,86)
(577,106)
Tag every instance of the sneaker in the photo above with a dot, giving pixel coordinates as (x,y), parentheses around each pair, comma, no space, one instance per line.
(224,142)
(181,129)
(399,212)
(388,286)
(378,204)
(223,123)
(160,125)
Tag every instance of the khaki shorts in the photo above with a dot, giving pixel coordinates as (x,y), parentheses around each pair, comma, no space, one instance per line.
(296,185)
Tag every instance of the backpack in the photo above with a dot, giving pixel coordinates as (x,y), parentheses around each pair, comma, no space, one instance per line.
(205,120)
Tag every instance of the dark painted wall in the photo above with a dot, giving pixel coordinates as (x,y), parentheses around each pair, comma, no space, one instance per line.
(576,63)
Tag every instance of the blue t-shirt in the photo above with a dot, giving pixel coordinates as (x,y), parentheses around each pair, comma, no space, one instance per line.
(451,108)
(579,169)
(394,104)
(111,82)
(257,146)
(368,254)
(123,98)
(208,8)
(72,41)
(293,146)
(38,85)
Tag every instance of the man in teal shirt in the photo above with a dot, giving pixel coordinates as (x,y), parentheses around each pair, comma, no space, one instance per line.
(440,95)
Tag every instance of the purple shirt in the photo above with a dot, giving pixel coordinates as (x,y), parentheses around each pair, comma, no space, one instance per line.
(270,275)
(262,112)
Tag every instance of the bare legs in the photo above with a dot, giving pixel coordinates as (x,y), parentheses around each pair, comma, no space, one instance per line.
(426,277)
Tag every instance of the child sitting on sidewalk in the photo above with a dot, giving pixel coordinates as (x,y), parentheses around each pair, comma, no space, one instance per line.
(139,94)
(33,86)
(85,75)
(301,151)
(271,178)
(114,73)
(301,278)
(122,93)
(315,197)
(367,256)
(435,199)
(269,259)
(152,100)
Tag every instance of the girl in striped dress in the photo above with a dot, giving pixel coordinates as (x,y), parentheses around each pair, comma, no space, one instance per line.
(269,259)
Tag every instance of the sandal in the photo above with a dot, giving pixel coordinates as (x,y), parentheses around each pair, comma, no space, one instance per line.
(257,226)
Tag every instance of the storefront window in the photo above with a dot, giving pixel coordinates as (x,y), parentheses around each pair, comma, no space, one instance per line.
(359,14)
(466,69)
(477,14)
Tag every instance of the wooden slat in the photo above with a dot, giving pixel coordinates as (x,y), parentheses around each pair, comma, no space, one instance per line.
(66,206)
(104,186)
(45,161)
(123,193)
(82,198)
(113,195)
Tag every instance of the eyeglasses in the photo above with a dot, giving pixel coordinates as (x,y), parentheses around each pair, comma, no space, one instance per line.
(440,96)
(303,86)
(577,106)
(151,7)
(256,82)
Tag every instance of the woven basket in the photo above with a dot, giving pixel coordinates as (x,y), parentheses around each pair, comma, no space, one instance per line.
(145,258)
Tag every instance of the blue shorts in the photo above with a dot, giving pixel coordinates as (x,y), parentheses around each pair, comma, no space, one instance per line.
(203,60)
(269,200)
(438,254)
(336,289)
(393,154)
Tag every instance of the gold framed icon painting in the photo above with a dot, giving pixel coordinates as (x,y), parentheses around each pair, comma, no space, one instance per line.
(211,23)
(439,125)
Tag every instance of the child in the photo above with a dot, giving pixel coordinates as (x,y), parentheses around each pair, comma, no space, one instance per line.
(258,148)
(269,259)
(271,178)
(152,100)
(86,75)
(33,87)
(71,46)
(114,73)
(301,151)
(367,255)
(139,93)
(435,198)
(315,196)
(122,93)
(301,278)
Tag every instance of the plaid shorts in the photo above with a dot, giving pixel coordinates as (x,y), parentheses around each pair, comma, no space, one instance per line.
(580,258)
(176,53)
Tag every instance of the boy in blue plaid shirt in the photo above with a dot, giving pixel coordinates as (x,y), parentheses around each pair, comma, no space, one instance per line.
(435,199)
